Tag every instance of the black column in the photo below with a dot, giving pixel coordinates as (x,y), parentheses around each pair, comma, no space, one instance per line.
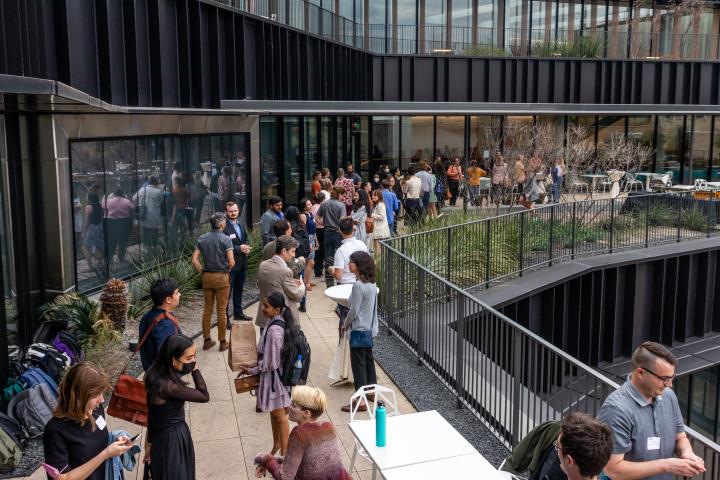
(16,203)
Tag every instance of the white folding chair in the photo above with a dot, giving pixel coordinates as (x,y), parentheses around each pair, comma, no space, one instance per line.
(378,393)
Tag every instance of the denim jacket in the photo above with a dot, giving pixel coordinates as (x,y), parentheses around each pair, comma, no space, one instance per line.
(114,466)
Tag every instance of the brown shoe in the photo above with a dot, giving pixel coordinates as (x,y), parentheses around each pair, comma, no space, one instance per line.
(308,288)
(224,345)
(208,344)
(348,408)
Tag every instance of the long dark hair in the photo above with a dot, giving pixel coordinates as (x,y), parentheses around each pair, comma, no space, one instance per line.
(162,368)
(363,201)
(276,300)
(365,266)
(292,215)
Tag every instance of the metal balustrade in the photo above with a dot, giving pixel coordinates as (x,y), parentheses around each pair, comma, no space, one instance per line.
(509,377)
(483,41)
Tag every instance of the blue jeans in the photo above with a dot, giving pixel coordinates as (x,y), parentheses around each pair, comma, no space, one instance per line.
(557,188)
(237,283)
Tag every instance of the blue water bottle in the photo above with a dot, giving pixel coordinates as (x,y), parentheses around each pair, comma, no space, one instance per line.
(297,371)
(380,421)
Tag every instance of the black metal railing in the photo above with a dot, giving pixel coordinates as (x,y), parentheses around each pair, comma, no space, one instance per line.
(614,42)
(487,251)
(509,377)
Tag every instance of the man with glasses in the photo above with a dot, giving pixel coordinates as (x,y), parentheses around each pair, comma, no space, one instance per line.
(649,432)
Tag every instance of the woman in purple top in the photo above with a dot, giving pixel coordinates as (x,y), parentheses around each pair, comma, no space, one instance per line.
(272,395)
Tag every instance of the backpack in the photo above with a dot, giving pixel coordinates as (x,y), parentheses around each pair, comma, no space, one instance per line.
(33,409)
(35,376)
(12,388)
(300,347)
(48,358)
(13,429)
(67,343)
(10,453)
(439,187)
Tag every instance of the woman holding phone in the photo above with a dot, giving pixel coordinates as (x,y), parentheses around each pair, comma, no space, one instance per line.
(76,438)
(169,448)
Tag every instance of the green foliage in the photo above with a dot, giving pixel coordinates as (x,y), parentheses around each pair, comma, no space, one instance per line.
(102,347)
(694,219)
(80,312)
(581,47)
(255,255)
(484,51)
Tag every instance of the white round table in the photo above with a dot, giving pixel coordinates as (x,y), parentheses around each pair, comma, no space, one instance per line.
(341,293)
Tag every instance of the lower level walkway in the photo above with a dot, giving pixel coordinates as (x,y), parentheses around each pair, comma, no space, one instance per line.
(228,433)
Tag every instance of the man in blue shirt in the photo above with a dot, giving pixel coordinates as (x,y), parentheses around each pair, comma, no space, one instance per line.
(166,297)
(270,218)
(392,205)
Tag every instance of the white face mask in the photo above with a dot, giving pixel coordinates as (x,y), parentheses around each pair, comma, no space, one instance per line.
(377,179)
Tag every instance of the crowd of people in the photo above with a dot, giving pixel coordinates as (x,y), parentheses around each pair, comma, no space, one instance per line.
(639,432)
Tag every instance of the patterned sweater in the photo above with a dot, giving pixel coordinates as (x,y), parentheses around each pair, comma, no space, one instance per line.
(313,454)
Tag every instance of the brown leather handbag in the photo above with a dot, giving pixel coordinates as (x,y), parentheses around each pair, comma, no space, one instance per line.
(245,383)
(129,397)
(369,225)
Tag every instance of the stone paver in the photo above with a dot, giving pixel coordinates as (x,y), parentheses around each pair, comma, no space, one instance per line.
(228,433)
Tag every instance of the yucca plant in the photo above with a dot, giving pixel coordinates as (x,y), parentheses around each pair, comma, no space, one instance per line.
(76,309)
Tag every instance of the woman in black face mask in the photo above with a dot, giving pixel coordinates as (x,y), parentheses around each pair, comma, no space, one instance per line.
(169,451)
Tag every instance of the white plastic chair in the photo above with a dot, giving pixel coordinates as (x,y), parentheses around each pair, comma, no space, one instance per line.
(384,394)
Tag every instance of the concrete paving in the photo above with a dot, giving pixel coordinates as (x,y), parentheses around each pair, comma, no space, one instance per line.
(228,433)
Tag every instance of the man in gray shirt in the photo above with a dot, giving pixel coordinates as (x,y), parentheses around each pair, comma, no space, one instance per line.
(217,252)
(425,184)
(650,440)
(330,212)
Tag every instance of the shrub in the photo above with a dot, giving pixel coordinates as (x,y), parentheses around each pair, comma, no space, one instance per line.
(484,51)
(104,346)
(76,309)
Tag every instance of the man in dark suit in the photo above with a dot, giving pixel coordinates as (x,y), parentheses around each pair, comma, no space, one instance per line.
(241,247)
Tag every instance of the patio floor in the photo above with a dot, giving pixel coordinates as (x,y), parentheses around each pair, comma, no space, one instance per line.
(227,432)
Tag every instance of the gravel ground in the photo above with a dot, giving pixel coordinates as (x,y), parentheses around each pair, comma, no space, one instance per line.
(426,392)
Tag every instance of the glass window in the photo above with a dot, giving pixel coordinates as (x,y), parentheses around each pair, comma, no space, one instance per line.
(450,140)
(461,24)
(485,137)
(405,26)
(377,25)
(668,151)
(543,22)
(291,160)
(610,127)
(269,168)
(417,140)
(642,129)
(435,25)
(703,402)
(360,22)
(618,16)
(311,154)
(487,21)
(697,164)
(386,142)
(326,125)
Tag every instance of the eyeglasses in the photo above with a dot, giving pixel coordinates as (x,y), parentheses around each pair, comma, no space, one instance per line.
(558,448)
(665,380)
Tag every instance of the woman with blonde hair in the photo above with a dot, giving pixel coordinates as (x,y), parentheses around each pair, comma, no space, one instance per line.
(313,447)
(76,438)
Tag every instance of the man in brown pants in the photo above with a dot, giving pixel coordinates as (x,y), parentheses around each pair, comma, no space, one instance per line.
(217,253)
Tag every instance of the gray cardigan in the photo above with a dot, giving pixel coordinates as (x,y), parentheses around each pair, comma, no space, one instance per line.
(362,314)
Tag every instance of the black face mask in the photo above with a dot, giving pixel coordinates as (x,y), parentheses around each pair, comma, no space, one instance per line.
(187,368)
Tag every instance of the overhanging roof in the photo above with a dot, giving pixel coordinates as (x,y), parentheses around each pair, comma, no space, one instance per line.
(295,107)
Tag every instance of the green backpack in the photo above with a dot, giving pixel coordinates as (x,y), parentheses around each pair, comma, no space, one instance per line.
(10,453)
(12,388)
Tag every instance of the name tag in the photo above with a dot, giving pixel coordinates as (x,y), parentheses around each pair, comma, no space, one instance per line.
(100,422)
(233,236)
(653,443)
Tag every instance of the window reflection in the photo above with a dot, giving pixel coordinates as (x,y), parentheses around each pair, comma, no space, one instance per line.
(6,256)
(137,201)
(668,151)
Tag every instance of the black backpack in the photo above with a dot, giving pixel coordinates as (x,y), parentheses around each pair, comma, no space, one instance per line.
(300,346)
(13,429)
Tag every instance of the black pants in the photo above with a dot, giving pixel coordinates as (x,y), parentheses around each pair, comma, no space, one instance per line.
(363,367)
(320,252)
(332,242)
(413,211)
(118,231)
(237,283)
(454,185)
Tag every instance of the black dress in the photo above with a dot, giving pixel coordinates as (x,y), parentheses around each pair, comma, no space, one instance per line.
(172,456)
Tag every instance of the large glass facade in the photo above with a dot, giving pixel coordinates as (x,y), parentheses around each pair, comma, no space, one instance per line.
(138,200)
(698,394)
(450,137)
(670,142)
(385,143)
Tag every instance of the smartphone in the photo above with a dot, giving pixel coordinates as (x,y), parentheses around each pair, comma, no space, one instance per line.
(137,437)
(52,471)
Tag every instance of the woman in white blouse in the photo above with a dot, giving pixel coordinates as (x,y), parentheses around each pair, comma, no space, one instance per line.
(381,228)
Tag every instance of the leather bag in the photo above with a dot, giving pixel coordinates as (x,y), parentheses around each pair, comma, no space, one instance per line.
(245,383)
(129,397)
(369,225)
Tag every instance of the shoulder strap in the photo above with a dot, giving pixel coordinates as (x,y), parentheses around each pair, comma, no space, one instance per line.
(154,322)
